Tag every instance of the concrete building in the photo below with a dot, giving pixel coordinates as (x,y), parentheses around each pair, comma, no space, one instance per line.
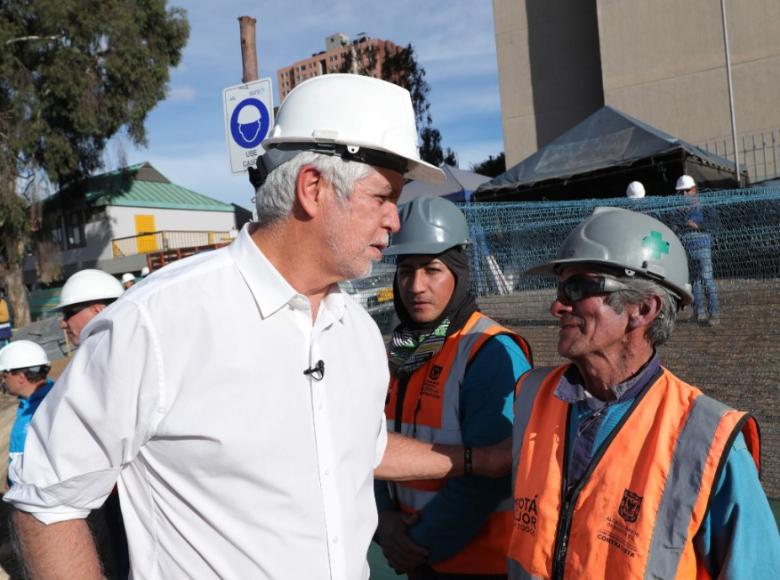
(662,62)
(340,55)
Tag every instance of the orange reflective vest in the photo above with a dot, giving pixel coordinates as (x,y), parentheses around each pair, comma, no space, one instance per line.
(429,410)
(639,505)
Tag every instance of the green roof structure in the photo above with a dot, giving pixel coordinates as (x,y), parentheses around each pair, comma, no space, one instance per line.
(139,185)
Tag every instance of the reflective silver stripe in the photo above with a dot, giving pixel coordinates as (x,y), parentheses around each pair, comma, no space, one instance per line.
(683,485)
(431,434)
(418,499)
(449,433)
(414,498)
(517,572)
(506,505)
(524,404)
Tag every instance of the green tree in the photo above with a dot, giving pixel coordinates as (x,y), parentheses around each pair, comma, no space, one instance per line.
(492,166)
(401,67)
(73,73)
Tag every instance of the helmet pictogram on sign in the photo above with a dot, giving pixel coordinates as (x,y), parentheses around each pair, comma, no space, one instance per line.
(249,123)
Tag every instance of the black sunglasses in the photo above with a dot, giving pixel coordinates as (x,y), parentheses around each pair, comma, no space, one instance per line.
(70,312)
(577,287)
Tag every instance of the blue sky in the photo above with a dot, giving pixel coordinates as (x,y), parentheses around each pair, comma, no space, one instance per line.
(454,41)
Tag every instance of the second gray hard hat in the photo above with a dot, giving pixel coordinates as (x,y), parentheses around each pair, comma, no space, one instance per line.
(626,240)
(429,225)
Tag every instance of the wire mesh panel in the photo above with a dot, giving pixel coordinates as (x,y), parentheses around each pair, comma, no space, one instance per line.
(736,361)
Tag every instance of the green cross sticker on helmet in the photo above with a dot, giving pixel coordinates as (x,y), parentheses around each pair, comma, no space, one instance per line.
(656,244)
(619,239)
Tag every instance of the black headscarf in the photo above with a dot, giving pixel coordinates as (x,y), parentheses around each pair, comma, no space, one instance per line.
(461,305)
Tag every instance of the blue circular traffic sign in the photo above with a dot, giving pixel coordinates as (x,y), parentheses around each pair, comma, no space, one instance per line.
(249,123)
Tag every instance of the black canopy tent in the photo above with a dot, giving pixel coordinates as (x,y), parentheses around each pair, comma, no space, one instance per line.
(600,156)
(459,186)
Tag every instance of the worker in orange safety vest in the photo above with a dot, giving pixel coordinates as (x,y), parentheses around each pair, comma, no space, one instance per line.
(623,470)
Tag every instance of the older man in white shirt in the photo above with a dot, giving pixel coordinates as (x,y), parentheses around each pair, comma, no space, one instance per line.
(237,396)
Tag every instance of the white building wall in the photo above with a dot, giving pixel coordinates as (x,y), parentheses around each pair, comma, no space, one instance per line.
(119,222)
(123,219)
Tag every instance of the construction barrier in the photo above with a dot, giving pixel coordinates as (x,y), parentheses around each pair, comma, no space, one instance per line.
(737,361)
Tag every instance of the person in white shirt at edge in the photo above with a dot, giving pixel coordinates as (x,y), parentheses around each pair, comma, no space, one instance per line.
(201,394)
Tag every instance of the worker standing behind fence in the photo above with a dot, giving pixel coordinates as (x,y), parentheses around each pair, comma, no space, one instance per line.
(453,371)
(624,470)
(635,190)
(698,243)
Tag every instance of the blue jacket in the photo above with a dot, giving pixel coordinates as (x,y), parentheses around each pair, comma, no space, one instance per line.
(24,414)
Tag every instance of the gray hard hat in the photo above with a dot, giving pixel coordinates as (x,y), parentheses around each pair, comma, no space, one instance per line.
(429,225)
(626,240)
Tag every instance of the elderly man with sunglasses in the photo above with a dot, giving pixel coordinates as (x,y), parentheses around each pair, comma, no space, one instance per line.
(622,469)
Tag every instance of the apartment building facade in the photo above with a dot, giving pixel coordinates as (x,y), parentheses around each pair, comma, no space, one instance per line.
(341,54)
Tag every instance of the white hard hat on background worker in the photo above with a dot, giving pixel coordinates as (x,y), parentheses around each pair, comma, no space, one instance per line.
(22,354)
(89,286)
(684,183)
(635,190)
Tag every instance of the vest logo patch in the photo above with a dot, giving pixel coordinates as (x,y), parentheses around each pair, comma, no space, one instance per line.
(629,506)
(525,514)
(435,372)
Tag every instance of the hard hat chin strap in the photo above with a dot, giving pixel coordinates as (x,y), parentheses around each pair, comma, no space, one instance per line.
(284,152)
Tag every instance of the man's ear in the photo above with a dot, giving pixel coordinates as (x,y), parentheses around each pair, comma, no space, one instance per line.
(644,313)
(309,187)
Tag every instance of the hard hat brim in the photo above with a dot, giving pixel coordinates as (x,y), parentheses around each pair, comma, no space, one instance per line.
(416,169)
(419,249)
(553,267)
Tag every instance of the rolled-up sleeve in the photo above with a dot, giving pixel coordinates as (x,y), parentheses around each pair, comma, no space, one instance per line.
(99,414)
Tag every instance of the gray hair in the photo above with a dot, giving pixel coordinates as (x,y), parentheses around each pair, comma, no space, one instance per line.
(640,289)
(274,199)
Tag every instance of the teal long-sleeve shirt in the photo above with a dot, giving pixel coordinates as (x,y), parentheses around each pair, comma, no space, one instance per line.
(458,511)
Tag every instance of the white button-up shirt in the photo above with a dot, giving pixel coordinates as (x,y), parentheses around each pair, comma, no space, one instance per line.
(190,392)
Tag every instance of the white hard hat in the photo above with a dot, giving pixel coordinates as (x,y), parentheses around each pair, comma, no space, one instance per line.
(89,286)
(127,277)
(22,354)
(356,117)
(635,190)
(685,182)
(145,271)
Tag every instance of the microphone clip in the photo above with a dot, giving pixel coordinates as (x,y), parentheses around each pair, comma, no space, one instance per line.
(317,372)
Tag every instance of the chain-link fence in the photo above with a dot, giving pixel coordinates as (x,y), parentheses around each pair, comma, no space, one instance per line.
(736,361)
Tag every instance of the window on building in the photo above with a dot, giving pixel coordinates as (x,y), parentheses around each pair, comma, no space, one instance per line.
(58,233)
(74,230)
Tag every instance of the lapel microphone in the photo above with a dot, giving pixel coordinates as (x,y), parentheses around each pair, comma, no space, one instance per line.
(317,372)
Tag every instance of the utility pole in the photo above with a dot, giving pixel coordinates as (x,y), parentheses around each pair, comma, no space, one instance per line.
(248,48)
(731,89)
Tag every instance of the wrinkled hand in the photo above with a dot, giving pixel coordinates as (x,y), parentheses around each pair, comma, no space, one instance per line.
(495,460)
(401,552)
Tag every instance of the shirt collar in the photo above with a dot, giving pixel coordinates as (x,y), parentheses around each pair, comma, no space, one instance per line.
(571,388)
(269,288)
